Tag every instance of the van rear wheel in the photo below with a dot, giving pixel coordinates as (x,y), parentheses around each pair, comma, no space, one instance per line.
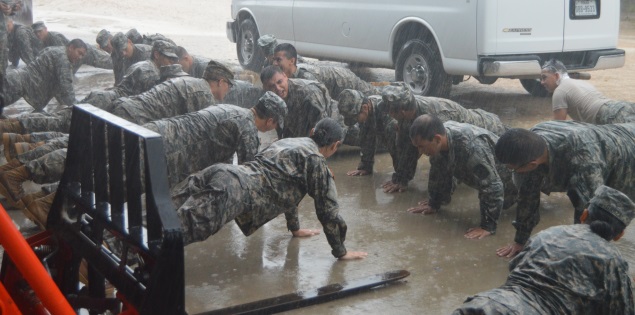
(250,56)
(534,87)
(419,66)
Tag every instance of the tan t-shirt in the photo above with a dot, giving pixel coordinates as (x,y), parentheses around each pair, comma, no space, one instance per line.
(580,98)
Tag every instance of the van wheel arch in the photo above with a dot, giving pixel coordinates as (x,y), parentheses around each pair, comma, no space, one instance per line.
(419,65)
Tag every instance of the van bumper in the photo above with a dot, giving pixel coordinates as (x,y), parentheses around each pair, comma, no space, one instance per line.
(231,29)
(519,66)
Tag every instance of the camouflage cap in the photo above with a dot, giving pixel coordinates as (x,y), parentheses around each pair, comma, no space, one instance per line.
(102,38)
(119,42)
(268,43)
(350,102)
(39,25)
(216,70)
(397,94)
(172,71)
(165,48)
(273,106)
(614,202)
(134,36)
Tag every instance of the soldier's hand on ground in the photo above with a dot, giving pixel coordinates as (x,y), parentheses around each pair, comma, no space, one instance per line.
(353,255)
(423,207)
(358,173)
(509,251)
(305,233)
(390,187)
(476,233)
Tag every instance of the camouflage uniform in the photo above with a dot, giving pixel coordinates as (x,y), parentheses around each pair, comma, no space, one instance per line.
(197,140)
(51,145)
(336,79)
(581,158)
(120,65)
(50,75)
(471,160)
(615,112)
(446,110)
(97,58)
(243,94)
(198,66)
(258,191)
(4,46)
(47,168)
(562,270)
(171,98)
(55,39)
(308,102)
(23,44)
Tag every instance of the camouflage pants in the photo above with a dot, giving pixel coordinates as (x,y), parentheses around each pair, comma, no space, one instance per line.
(103,99)
(20,84)
(46,136)
(50,146)
(615,112)
(144,111)
(48,168)
(39,122)
(208,200)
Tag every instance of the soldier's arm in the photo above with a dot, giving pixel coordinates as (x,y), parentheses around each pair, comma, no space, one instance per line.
(439,182)
(65,81)
(407,157)
(321,187)
(293,221)
(491,191)
(527,214)
(620,299)
(587,177)
(28,52)
(368,143)
(248,143)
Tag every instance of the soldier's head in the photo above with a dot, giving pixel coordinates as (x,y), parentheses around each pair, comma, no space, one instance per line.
(121,44)
(353,106)
(427,133)
(134,36)
(220,79)
(608,213)
(285,56)
(553,71)
(40,30)
(103,40)
(270,112)
(273,79)
(185,59)
(164,53)
(268,43)
(328,135)
(399,99)
(520,150)
(76,50)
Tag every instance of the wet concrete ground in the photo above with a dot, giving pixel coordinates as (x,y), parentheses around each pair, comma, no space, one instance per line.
(230,269)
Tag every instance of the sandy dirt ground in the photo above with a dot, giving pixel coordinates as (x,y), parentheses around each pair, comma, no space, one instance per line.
(229,268)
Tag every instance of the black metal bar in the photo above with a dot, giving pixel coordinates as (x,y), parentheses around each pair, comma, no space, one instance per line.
(133,186)
(115,174)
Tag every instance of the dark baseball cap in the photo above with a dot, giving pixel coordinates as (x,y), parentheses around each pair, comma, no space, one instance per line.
(165,48)
(102,38)
(216,71)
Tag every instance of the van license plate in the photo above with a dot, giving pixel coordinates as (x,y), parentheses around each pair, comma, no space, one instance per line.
(586,8)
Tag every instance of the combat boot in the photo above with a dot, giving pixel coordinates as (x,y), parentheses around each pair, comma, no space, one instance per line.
(5,168)
(11,126)
(38,210)
(9,140)
(23,147)
(11,181)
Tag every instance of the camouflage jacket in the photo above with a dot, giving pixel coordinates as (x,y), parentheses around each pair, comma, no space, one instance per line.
(562,270)
(308,102)
(378,125)
(55,39)
(23,44)
(120,65)
(581,158)
(471,160)
(174,97)
(212,135)
(258,191)
(446,110)
(336,79)
(198,66)
(139,78)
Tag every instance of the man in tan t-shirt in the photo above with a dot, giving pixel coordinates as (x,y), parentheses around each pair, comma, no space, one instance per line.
(580,100)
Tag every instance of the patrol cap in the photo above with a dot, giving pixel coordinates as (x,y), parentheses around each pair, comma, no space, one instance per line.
(271,105)
(39,25)
(350,102)
(268,43)
(216,71)
(172,71)
(119,42)
(397,94)
(102,38)
(165,48)
(134,36)
(614,202)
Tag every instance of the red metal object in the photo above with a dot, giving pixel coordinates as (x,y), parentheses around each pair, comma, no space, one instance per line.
(31,268)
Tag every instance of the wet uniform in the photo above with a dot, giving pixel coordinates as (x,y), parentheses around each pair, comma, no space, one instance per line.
(379,126)
(562,270)
(308,102)
(23,44)
(336,79)
(256,192)
(198,66)
(446,110)
(120,64)
(581,158)
(471,160)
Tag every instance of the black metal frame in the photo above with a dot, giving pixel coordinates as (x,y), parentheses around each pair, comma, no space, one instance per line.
(111,166)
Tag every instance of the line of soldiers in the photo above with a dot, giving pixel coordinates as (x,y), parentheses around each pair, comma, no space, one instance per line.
(164,88)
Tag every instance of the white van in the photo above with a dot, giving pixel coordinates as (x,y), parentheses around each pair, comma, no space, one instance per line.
(433,43)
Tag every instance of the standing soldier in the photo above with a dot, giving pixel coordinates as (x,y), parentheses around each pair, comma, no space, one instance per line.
(23,44)
(465,153)
(405,107)
(565,156)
